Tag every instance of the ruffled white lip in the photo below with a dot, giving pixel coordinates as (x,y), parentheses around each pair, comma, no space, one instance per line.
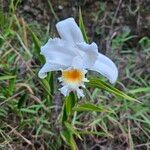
(70,51)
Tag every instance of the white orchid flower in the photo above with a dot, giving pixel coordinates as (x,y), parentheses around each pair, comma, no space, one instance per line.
(73,57)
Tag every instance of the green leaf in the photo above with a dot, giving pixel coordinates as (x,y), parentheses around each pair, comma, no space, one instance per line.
(3,113)
(68,105)
(70,102)
(72,129)
(30,111)
(46,86)
(139,90)
(64,115)
(37,47)
(52,10)
(90,107)
(98,83)
(103,134)
(82,27)
(6,77)
(68,138)
(22,100)
(11,86)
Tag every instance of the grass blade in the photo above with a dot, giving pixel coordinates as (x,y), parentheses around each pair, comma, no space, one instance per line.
(90,107)
(98,83)
(82,27)
(7,77)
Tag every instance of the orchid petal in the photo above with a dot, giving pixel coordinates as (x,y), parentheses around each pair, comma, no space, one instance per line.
(69,30)
(80,93)
(78,63)
(49,67)
(58,51)
(90,53)
(65,90)
(106,67)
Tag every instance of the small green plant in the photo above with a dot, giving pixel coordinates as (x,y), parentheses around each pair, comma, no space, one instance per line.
(73,74)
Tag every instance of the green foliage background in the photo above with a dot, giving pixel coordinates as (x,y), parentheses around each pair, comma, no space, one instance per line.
(34,115)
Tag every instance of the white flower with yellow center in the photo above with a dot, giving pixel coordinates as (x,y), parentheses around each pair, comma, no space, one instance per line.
(73,57)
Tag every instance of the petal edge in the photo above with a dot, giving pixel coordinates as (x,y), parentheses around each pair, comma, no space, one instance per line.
(106,67)
(69,30)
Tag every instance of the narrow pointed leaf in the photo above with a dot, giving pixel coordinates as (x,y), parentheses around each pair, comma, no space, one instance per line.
(72,129)
(82,27)
(6,77)
(37,46)
(98,83)
(70,102)
(68,105)
(68,138)
(90,107)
